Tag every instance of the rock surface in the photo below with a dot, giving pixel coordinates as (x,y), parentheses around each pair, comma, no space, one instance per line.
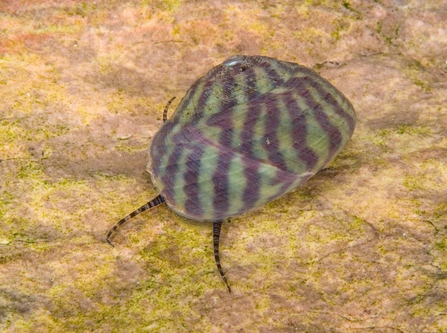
(361,247)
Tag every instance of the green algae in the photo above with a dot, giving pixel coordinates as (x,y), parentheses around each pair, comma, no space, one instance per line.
(165,6)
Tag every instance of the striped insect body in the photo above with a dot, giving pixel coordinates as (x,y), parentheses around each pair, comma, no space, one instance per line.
(249,131)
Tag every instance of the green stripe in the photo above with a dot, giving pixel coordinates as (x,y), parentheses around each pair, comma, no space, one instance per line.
(208,167)
(237,182)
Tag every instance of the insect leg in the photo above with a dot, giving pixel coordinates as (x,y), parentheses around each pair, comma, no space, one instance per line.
(217,225)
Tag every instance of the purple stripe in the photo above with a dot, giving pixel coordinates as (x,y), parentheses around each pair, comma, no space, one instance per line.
(190,177)
(177,146)
(286,178)
(250,89)
(220,184)
(251,166)
(223,119)
(253,184)
(275,80)
(247,132)
(332,131)
(320,85)
(186,100)
(158,145)
(251,115)
(340,110)
(270,138)
(169,176)
(299,125)
(202,102)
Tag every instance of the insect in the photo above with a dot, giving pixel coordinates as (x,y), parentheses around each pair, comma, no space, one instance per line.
(249,131)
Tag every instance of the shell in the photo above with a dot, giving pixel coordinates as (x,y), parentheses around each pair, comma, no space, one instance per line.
(248,132)
(251,130)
